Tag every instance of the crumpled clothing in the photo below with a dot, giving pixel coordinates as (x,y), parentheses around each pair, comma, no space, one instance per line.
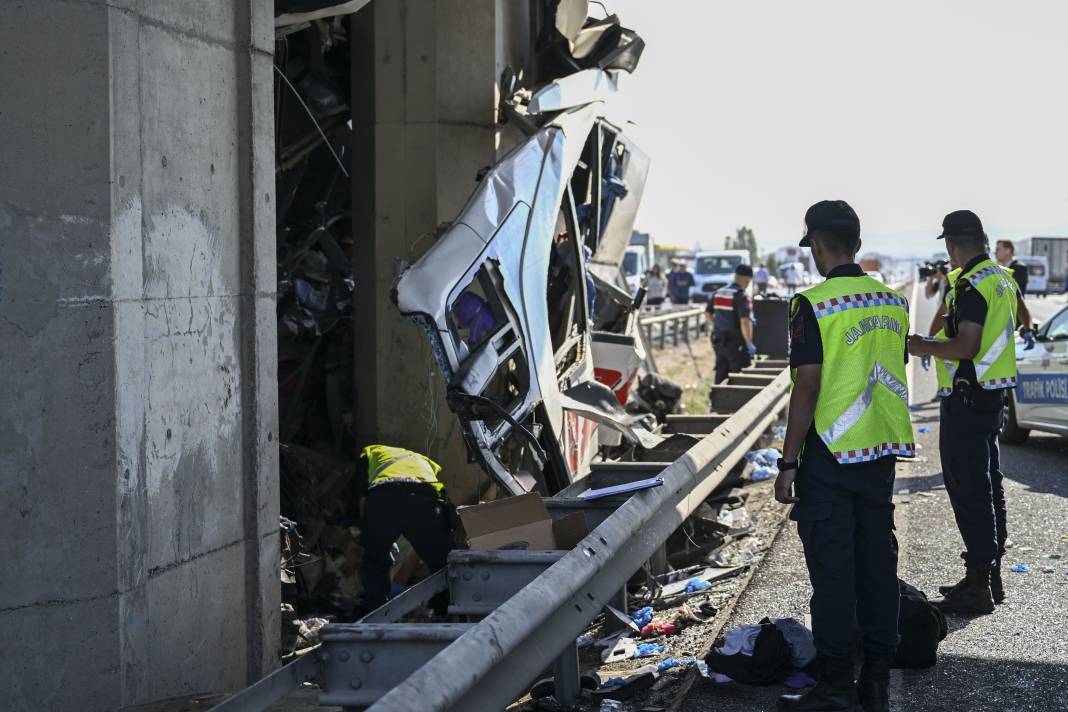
(800,640)
(799,679)
(739,640)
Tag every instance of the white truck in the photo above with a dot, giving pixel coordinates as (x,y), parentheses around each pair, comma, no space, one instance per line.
(1055,250)
(714,269)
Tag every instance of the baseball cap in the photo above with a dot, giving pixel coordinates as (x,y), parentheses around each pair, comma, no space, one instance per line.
(833,216)
(962,223)
(744,270)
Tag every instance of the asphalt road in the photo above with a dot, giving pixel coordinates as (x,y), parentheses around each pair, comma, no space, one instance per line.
(1011,661)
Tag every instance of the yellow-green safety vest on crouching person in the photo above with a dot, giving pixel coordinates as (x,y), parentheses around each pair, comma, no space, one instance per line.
(995,362)
(862,412)
(946,368)
(387,464)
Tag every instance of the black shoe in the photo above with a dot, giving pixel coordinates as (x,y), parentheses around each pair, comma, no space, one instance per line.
(973,598)
(835,692)
(946,590)
(997,588)
(873,687)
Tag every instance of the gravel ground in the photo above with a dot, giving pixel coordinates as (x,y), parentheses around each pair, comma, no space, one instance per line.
(1011,661)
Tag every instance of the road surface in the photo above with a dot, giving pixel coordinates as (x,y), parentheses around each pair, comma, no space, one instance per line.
(1012,661)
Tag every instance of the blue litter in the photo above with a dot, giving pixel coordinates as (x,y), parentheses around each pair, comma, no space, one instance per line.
(768,457)
(696,584)
(643,616)
(1020,568)
(668,663)
(646,649)
(612,682)
(923,429)
(764,473)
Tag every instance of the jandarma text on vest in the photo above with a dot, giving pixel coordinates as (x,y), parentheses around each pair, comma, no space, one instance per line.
(869,324)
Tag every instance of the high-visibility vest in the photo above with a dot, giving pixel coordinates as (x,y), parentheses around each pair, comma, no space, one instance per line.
(946,368)
(862,412)
(386,464)
(995,362)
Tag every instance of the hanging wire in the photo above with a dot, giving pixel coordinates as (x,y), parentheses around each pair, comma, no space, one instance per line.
(312,117)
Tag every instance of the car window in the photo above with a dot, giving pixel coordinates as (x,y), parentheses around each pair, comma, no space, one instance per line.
(1058,326)
(630,264)
(1036,270)
(717,264)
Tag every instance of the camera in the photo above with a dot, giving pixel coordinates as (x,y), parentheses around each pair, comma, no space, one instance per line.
(930,269)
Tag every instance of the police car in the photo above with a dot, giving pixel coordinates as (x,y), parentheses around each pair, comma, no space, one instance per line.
(1040,399)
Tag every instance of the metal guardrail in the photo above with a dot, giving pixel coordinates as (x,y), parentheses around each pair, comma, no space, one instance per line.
(535,602)
(680,325)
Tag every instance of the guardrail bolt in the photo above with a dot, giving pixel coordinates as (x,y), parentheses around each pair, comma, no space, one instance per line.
(355,683)
(343,656)
(367,656)
(467,575)
(485,575)
(476,596)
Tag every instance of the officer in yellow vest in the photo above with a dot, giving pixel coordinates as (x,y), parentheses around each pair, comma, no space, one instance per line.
(848,422)
(404,497)
(979,354)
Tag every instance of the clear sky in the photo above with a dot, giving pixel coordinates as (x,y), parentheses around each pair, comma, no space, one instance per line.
(754,110)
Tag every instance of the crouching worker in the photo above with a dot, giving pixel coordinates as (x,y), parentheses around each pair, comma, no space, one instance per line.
(404,497)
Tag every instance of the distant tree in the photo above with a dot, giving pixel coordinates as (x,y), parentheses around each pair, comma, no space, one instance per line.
(743,239)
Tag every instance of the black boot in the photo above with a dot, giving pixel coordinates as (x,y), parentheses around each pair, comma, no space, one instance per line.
(947,589)
(873,687)
(835,692)
(997,588)
(973,598)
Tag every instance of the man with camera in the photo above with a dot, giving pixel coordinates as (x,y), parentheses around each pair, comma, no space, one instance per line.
(980,357)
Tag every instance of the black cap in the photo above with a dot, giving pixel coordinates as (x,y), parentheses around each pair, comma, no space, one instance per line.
(962,223)
(833,216)
(744,270)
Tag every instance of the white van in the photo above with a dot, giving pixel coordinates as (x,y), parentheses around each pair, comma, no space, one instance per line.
(1037,273)
(713,270)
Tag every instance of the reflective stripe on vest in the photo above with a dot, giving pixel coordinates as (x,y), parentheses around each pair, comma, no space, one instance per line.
(946,368)
(862,411)
(394,465)
(723,299)
(995,365)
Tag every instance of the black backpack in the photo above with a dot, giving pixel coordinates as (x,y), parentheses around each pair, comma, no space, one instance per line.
(920,626)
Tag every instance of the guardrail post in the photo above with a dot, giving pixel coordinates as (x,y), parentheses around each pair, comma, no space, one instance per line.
(675,332)
(566,685)
(663,333)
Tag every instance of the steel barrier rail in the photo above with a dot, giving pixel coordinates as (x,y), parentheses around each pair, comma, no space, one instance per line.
(678,322)
(491,663)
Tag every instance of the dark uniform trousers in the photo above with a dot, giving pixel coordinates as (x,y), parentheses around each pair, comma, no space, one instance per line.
(404,508)
(971,468)
(845,520)
(731,354)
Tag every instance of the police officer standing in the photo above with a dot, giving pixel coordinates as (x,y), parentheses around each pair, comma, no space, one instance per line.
(848,421)
(404,497)
(732,324)
(979,355)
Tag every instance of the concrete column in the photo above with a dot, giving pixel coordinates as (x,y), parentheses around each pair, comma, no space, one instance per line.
(138,468)
(425,95)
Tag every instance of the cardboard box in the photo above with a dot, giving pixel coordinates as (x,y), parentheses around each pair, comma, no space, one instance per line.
(520,522)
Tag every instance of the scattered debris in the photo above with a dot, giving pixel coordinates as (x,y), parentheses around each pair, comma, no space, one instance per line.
(1020,568)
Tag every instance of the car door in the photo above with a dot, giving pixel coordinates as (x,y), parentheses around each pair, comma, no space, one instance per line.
(504,298)
(1041,395)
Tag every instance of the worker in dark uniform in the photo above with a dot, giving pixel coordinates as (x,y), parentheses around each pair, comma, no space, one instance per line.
(404,497)
(732,324)
(980,357)
(848,422)
(1005,254)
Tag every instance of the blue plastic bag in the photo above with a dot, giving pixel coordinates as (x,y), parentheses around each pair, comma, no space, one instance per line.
(696,584)
(643,616)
